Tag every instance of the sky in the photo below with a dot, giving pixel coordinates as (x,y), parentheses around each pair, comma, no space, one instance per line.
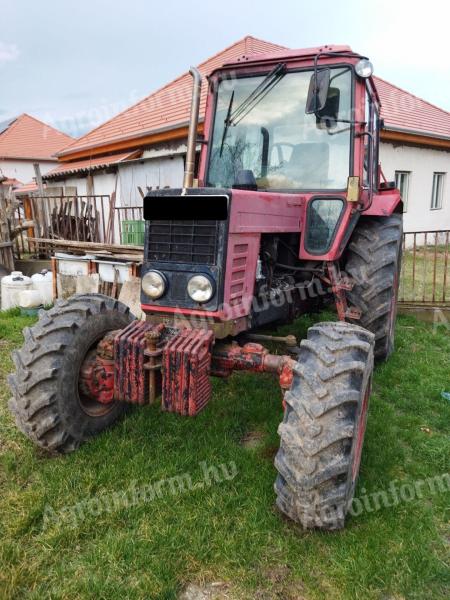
(75,64)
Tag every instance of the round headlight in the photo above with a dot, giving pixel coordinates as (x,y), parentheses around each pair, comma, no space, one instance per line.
(364,68)
(200,288)
(154,284)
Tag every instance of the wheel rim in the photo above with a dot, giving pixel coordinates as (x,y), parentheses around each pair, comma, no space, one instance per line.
(88,404)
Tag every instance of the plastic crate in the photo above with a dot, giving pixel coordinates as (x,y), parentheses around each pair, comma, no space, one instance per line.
(133,233)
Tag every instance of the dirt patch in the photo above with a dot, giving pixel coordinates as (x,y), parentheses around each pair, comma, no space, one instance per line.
(269,452)
(252,439)
(217,590)
(280,585)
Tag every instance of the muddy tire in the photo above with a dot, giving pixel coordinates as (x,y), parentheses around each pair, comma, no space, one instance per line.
(373,261)
(322,432)
(46,400)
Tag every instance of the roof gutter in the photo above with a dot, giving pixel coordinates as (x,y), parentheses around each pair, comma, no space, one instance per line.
(416,138)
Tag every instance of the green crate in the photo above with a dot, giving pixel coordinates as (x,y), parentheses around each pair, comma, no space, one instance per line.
(133,233)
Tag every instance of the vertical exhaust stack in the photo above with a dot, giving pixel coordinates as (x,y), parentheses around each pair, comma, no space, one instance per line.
(188,180)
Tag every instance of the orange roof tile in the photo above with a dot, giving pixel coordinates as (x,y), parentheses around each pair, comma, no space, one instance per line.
(168,108)
(89,164)
(27,188)
(28,138)
(402,111)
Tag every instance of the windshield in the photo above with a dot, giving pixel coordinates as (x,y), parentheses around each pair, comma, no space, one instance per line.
(283,147)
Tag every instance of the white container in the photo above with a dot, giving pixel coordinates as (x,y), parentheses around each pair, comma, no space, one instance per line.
(107,271)
(43,283)
(72,265)
(30,299)
(11,287)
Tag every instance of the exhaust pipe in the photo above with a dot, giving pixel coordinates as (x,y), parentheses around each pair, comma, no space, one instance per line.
(188,180)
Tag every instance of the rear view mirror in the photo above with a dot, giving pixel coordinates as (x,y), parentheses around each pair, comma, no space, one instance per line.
(318,91)
(329,114)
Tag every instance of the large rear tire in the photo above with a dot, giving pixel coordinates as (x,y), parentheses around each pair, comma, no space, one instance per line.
(322,432)
(47,403)
(373,261)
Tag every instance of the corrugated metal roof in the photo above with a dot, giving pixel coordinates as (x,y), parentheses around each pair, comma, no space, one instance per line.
(89,164)
(28,138)
(168,108)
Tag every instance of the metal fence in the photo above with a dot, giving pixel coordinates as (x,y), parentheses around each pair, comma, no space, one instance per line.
(425,279)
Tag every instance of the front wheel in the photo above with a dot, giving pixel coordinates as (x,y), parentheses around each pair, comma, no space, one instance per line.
(49,403)
(322,433)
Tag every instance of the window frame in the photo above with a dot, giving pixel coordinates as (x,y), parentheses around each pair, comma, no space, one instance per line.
(405,197)
(436,192)
(263,73)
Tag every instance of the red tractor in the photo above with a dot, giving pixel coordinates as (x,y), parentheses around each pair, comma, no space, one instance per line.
(289,212)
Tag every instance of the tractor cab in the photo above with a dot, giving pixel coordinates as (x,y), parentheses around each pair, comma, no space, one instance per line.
(296,122)
(288,166)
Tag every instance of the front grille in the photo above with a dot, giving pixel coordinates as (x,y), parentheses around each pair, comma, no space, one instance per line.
(183,241)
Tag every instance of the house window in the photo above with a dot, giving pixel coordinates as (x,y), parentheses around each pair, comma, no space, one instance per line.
(438,190)
(402,184)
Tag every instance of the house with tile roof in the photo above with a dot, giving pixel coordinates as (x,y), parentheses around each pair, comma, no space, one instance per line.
(144,146)
(24,140)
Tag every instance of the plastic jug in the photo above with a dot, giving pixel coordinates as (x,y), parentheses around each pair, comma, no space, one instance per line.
(43,283)
(30,299)
(11,286)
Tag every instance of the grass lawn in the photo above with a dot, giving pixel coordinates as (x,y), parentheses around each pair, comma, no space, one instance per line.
(230,532)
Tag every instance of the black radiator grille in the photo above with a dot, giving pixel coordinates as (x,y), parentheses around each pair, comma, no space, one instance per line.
(183,241)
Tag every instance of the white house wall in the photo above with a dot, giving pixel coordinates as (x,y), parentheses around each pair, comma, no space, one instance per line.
(155,173)
(421,163)
(23,170)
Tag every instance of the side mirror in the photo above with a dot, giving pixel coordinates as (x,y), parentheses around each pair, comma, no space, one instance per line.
(327,117)
(318,91)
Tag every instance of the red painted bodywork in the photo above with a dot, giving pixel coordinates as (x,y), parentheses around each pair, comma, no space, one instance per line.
(257,212)
(251,357)
(96,379)
(186,365)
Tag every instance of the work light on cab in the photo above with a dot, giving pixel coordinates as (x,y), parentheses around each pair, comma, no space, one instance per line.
(364,68)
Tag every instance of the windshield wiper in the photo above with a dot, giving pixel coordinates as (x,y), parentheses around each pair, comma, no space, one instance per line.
(260,92)
(266,85)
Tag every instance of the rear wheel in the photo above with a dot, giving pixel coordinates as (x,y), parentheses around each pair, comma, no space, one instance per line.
(322,433)
(374,262)
(50,404)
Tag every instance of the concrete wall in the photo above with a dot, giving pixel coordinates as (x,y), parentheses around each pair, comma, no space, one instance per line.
(421,163)
(23,170)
